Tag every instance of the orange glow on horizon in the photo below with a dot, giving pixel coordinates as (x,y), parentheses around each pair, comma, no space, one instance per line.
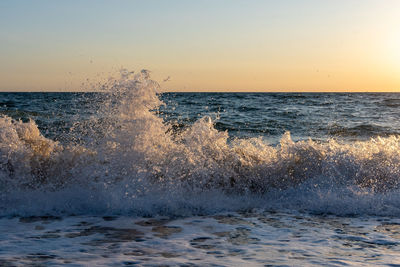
(266,46)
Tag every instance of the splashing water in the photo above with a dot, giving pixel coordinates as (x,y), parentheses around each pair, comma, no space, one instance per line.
(134,163)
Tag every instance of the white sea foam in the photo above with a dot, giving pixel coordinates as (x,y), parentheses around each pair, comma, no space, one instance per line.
(137,166)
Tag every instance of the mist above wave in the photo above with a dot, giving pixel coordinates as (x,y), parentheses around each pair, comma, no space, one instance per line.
(134,162)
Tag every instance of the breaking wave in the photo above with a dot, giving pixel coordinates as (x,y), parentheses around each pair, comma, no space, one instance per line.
(133,162)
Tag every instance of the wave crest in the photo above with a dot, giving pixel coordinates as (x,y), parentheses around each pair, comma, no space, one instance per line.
(137,163)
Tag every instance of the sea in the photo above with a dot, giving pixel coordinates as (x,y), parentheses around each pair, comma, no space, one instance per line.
(132,176)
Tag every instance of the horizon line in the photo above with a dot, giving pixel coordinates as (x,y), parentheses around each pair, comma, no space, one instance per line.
(244,92)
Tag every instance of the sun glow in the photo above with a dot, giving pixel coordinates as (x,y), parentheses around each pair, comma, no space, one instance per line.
(393,50)
(346,45)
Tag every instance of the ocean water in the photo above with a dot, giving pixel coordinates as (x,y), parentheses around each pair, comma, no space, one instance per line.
(133,176)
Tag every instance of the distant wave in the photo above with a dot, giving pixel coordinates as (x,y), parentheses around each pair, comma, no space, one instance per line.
(361,130)
(136,164)
(393,103)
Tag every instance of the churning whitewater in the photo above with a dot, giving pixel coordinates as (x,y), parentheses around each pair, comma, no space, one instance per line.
(127,159)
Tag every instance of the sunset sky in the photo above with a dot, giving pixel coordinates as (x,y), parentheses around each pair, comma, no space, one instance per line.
(214,45)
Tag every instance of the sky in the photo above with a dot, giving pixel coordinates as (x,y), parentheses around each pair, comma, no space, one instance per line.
(203,45)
